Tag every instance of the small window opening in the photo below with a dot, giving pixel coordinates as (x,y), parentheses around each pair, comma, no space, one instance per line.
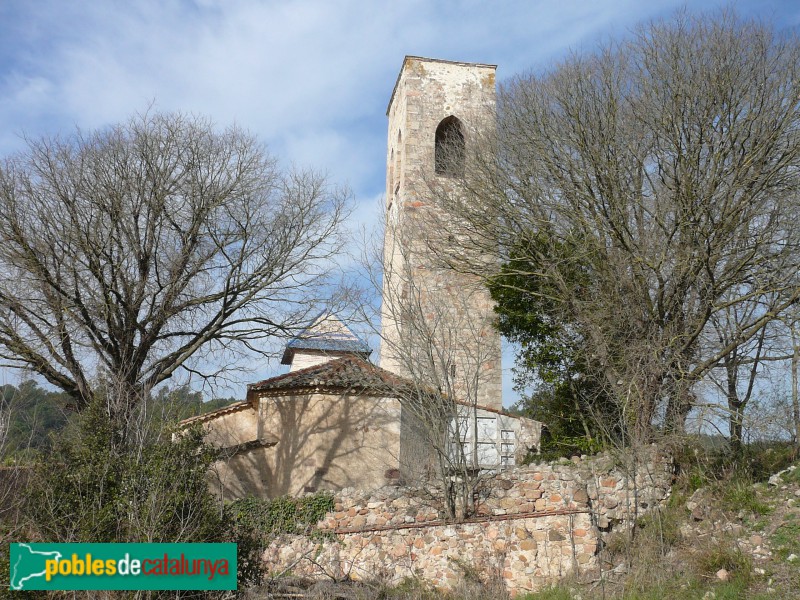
(449,147)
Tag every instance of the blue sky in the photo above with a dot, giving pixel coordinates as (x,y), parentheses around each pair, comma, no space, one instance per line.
(310,77)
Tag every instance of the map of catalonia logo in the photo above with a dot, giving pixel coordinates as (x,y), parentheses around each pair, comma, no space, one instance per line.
(83,566)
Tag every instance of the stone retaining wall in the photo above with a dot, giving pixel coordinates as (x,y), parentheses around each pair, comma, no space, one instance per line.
(526,552)
(534,524)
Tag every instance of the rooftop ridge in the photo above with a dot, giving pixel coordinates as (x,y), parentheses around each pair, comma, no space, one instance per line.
(328,369)
(394,383)
(336,338)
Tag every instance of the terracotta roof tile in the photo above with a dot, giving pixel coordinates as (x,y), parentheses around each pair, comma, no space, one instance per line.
(346,373)
(349,373)
(231,408)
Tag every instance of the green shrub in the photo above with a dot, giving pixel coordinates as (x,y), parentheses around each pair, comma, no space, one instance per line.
(760,460)
(104,488)
(554,447)
(706,460)
(281,515)
(108,485)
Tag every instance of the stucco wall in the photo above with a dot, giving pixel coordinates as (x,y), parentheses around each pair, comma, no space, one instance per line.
(308,358)
(325,441)
(232,428)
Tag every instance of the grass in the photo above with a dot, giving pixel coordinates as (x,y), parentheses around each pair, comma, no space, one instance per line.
(792,476)
(655,535)
(786,539)
(663,526)
(554,593)
(760,524)
(678,589)
(724,555)
(740,494)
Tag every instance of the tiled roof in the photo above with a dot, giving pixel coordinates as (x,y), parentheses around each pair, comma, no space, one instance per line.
(349,373)
(346,373)
(231,408)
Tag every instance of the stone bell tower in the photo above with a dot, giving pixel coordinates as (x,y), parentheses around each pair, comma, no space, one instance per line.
(436,321)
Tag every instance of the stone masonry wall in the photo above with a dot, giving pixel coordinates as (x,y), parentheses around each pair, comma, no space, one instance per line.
(535,524)
(451,307)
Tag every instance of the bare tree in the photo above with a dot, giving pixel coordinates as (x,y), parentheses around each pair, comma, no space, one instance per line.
(795,396)
(745,376)
(8,476)
(156,245)
(739,370)
(648,187)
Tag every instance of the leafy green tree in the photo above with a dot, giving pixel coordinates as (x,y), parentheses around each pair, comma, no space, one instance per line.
(182,402)
(33,413)
(575,409)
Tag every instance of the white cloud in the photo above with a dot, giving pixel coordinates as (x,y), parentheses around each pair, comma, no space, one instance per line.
(299,73)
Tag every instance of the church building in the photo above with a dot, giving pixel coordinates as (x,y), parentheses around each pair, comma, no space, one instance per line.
(336,420)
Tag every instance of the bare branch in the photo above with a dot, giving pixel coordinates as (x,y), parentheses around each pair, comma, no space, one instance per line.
(136,250)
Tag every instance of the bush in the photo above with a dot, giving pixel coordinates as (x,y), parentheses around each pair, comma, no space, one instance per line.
(708,461)
(105,488)
(554,447)
(281,515)
(109,485)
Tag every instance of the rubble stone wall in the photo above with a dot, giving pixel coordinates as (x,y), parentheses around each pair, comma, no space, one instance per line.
(534,524)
